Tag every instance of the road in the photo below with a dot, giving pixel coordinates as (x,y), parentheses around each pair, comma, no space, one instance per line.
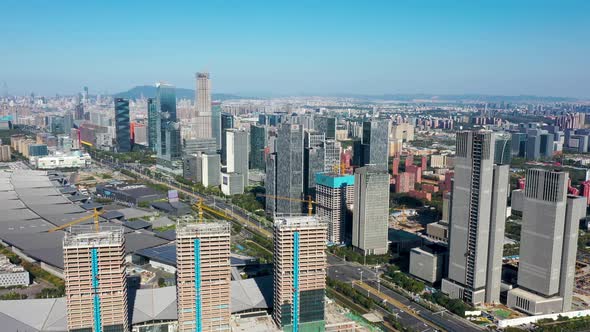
(409,313)
(218,203)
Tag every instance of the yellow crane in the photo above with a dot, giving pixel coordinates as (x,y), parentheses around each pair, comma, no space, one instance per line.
(94,215)
(201,207)
(309,201)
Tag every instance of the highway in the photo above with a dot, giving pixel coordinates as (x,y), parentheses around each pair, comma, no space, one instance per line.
(408,313)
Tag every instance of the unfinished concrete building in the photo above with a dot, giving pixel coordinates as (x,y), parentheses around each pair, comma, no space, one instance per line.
(95,279)
(300,273)
(203,276)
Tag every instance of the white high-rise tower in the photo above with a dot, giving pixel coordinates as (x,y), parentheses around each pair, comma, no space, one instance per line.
(201,120)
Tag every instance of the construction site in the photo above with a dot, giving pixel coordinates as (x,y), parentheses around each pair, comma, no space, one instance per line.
(123,274)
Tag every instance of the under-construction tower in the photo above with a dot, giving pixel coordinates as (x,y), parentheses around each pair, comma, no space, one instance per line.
(300,273)
(203,276)
(95,279)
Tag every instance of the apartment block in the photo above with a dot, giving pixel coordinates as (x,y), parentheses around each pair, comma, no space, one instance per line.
(203,276)
(95,279)
(300,273)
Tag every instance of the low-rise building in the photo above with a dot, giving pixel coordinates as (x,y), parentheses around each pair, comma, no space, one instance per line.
(128,193)
(12,275)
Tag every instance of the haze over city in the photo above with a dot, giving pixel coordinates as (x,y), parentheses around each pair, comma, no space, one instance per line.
(259,48)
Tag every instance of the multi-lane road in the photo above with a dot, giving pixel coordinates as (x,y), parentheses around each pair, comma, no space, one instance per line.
(408,313)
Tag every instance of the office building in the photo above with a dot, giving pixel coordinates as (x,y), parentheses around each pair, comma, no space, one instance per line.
(227,122)
(152,109)
(122,126)
(546,145)
(374,144)
(332,150)
(289,168)
(95,279)
(270,184)
(325,125)
(199,145)
(258,143)
(334,196)
(478,214)
(313,160)
(548,244)
(12,275)
(203,276)
(503,149)
(426,264)
(201,121)
(519,143)
(300,263)
(168,142)
(202,168)
(371,210)
(232,184)
(237,153)
(402,131)
(5,153)
(216,123)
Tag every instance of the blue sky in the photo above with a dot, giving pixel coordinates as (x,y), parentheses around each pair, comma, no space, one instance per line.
(292,47)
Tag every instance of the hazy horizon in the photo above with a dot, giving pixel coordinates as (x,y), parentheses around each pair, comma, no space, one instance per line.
(503,47)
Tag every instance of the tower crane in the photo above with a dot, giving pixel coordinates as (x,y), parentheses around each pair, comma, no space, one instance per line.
(309,201)
(201,208)
(94,215)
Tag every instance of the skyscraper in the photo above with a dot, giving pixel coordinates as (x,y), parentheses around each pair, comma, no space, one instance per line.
(478,214)
(216,123)
(201,121)
(257,146)
(503,149)
(227,122)
(375,144)
(289,179)
(237,155)
(153,128)
(548,244)
(334,196)
(299,285)
(326,125)
(203,276)
(314,156)
(95,279)
(371,210)
(168,146)
(270,184)
(122,129)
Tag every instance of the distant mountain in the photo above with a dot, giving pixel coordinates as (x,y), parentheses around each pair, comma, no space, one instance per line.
(148,91)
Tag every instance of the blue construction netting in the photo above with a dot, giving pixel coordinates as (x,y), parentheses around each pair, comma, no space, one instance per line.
(198,311)
(296,282)
(97,320)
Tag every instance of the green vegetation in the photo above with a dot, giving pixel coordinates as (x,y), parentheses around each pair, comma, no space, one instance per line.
(455,306)
(161,282)
(583,241)
(353,294)
(402,199)
(103,200)
(391,320)
(37,273)
(511,249)
(105,176)
(564,324)
(352,256)
(254,249)
(164,228)
(88,178)
(141,157)
(145,204)
(513,230)
(402,280)
(248,201)
(52,292)
(13,296)
(129,173)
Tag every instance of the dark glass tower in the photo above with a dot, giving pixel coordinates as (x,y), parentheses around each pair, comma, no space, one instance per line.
(122,125)
(216,123)
(168,143)
(257,146)
(152,123)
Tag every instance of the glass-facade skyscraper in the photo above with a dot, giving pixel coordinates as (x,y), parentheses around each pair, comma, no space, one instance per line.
(257,146)
(227,122)
(168,142)
(152,108)
(122,125)
(216,123)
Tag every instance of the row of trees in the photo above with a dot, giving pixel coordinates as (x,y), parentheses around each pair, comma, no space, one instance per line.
(354,295)
(350,255)
(455,306)
(402,280)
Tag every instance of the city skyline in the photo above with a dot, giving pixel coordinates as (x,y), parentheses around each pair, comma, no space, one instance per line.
(530,48)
